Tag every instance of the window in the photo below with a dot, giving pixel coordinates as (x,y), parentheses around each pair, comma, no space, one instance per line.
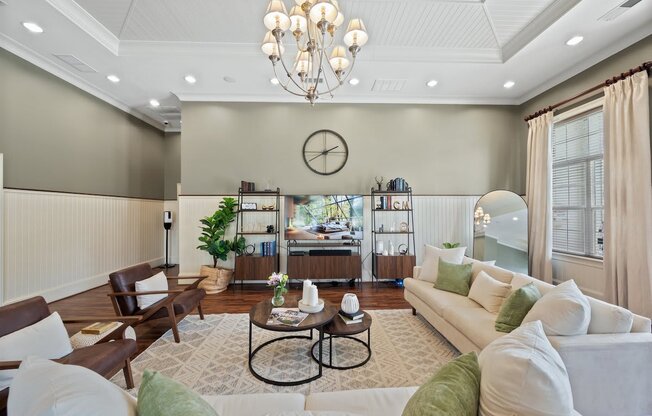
(577,183)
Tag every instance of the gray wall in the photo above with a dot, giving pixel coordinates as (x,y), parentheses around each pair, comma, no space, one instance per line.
(56,137)
(172,149)
(438,149)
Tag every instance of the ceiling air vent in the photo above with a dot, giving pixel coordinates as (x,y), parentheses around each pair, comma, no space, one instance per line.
(75,63)
(388,85)
(618,10)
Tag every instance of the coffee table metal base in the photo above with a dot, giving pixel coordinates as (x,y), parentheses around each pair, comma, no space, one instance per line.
(330,351)
(252,354)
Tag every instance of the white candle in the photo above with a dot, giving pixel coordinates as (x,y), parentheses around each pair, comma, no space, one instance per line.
(313,296)
(306,288)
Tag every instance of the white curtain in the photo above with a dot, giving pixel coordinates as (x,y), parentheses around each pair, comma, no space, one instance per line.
(628,194)
(538,193)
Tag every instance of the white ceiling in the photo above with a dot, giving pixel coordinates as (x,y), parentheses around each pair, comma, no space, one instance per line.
(471,47)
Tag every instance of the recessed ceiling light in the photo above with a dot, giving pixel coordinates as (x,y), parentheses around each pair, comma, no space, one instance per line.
(514,218)
(274,81)
(229,79)
(509,84)
(354,81)
(113,78)
(190,79)
(432,83)
(574,40)
(154,103)
(32,27)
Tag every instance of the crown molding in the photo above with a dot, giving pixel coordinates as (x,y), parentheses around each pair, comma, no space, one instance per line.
(47,65)
(622,43)
(195,97)
(540,23)
(86,22)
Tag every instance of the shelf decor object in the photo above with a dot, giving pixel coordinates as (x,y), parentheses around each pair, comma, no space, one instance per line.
(386,262)
(320,66)
(264,260)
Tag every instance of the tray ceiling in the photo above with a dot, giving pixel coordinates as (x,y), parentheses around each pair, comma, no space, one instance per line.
(471,47)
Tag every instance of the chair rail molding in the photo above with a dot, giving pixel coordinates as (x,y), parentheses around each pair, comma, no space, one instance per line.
(59,244)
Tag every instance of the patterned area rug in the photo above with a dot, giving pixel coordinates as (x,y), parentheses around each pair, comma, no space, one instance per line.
(212,356)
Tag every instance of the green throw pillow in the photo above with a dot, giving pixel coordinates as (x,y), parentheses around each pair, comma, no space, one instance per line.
(454,390)
(162,396)
(515,307)
(454,278)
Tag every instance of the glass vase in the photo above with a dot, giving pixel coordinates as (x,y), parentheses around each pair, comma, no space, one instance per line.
(278,299)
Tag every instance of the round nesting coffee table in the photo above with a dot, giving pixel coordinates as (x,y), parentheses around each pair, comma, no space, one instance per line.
(338,329)
(258,316)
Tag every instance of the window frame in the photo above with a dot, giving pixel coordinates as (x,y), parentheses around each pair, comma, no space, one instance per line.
(588,210)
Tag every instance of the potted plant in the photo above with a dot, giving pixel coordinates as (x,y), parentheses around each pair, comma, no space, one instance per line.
(214,242)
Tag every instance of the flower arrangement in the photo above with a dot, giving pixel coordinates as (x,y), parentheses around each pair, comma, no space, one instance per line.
(278,281)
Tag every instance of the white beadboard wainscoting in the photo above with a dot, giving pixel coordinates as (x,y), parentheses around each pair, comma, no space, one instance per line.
(59,244)
(588,273)
(438,219)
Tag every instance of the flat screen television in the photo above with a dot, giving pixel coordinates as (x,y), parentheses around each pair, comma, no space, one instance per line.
(324,217)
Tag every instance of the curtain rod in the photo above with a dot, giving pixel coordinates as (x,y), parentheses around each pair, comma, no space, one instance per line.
(646,66)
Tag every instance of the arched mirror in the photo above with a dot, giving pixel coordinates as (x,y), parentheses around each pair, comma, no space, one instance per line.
(500,230)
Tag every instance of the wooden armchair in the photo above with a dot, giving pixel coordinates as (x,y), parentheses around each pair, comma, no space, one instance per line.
(178,303)
(105,358)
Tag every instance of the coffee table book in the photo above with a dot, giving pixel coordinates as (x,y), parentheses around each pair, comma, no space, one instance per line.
(98,328)
(286,316)
(350,321)
(354,316)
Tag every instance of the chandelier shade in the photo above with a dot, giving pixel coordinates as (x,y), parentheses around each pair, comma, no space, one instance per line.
(320,65)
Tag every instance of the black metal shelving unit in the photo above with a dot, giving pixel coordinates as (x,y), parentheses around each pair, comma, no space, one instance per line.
(396,266)
(256,266)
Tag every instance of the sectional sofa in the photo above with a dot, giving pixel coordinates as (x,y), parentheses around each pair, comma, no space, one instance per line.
(610,373)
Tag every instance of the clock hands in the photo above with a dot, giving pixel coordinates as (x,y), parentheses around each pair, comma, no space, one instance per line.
(325,152)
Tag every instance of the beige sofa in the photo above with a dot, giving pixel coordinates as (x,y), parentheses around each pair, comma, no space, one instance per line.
(610,374)
(370,402)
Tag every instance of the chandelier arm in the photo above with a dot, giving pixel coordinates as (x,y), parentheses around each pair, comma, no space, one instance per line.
(285,87)
(342,80)
(286,69)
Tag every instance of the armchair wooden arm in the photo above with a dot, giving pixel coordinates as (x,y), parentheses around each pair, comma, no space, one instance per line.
(186,277)
(124,319)
(9,365)
(149,292)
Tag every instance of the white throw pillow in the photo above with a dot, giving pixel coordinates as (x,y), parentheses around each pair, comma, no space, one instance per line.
(521,280)
(468,260)
(47,338)
(522,374)
(431,256)
(489,292)
(498,273)
(609,319)
(562,311)
(156,282)
(45,388)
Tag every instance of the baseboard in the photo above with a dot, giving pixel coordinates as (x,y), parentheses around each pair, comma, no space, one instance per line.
(79,286)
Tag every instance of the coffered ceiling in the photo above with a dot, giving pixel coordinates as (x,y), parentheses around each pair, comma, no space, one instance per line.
(471,47)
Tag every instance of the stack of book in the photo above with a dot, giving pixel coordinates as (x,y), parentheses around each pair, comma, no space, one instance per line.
(99,328)
(247,186)
(268,248)
(351,318)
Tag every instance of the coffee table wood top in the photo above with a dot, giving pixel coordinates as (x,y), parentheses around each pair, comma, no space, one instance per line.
(338,327)
(259,314)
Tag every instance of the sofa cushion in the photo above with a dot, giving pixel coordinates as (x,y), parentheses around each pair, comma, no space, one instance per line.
(366,402)
(562,311)
(431,256)
(522,374)
(438,300)
(469,260)
(45,388)
(161,396)
(609,319)
(516,307)
(455,278)
(496,272)
(474,322)
(30,341)
(454,390)
(489,292)
(521,280)
(256,404)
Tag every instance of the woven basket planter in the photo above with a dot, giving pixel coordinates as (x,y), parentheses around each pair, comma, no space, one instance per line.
(217,281)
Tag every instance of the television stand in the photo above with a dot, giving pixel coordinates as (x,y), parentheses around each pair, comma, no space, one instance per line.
(324,267)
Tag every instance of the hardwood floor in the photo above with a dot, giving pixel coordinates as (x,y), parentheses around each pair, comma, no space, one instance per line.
(236,299)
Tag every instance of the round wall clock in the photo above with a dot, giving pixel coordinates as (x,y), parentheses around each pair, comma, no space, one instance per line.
(325,152)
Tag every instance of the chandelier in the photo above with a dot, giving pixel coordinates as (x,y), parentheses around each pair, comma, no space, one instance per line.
(320,65)
(481,218)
